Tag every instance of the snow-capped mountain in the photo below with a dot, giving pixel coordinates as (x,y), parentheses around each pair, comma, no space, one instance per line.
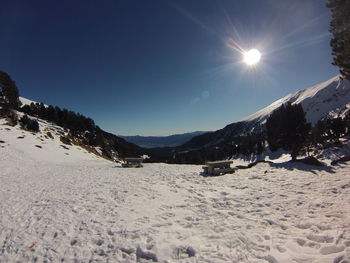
(317,101)
(327,98)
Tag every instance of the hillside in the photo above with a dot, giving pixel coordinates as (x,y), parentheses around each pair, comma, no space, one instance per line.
(44,146)
(161,141)
(318,101)
(81,130)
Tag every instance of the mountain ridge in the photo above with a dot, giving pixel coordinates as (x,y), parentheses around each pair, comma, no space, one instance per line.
(318,101)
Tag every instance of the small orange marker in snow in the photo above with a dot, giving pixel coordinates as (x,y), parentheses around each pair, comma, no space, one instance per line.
(32,245)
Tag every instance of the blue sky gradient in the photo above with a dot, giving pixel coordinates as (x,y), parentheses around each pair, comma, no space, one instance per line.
(162,67)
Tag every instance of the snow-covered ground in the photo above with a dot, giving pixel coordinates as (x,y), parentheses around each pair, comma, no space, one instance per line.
(66,205)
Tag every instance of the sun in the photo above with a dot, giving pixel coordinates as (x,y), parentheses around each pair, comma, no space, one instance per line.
(251,57)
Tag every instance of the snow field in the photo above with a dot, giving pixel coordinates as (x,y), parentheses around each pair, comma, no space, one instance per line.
(62,204)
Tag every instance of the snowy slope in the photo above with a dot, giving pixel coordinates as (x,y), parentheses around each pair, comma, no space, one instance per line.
(78,208)
(317,101)
(26,101)
(39,146)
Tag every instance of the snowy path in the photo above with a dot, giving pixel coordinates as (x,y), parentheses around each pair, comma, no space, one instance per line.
(94,211)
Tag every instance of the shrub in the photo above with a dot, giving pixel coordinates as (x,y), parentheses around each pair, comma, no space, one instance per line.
(29,124)
(11,117)
(49,134)
(65,140)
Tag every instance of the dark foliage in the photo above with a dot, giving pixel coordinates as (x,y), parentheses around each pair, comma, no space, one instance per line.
(2,99)
(49,134)
(347,123)
(340,28)
(75,122)
(287,128)
(65,140)
(29,124)
(328,129)
(337,127)
(9,95)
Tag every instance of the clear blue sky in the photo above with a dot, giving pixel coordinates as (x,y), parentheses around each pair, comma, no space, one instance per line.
(161,67)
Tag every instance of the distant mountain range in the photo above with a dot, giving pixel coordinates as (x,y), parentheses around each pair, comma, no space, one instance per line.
(161,141)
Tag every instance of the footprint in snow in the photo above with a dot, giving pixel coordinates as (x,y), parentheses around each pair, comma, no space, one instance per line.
(320,238)
(331,249)
(73,242)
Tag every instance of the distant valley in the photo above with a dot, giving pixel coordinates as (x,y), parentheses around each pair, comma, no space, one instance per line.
(161,141)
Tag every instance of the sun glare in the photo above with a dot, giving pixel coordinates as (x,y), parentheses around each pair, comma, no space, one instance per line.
(251,57)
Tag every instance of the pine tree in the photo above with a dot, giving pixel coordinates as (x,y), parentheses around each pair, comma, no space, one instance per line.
(2,99)
(10,94)
(338,128)
(287,129)
(340,28)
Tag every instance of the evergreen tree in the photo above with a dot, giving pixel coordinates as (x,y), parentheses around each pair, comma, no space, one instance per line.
(260,147)
(321,131)
(340,28)
(347,123)
(9,92)
(287,129)
(337,127)
(2,99)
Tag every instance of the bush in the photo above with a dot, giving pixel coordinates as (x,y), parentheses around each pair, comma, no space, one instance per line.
(49,134)
(65,140)
(11,117)
(29,124)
